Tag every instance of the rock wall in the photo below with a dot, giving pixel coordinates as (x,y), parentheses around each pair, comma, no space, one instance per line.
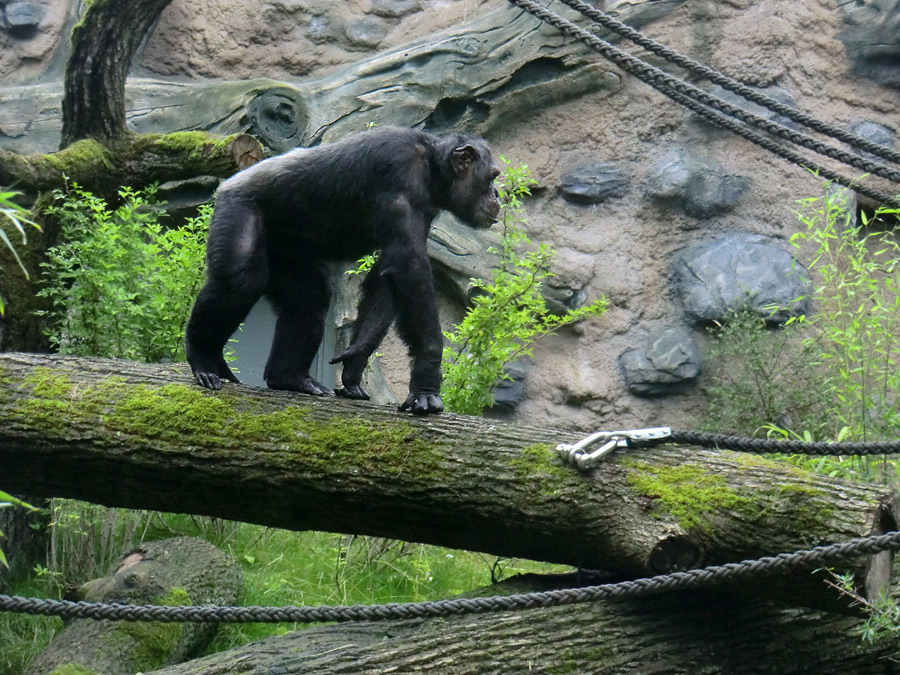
(673,220)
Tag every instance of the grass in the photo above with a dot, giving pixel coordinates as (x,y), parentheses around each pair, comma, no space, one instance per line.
(279,567)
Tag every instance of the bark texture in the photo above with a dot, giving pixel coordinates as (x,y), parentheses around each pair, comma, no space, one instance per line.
(103,44)
(685,634)
(133,160)
(180,571)
(144,436)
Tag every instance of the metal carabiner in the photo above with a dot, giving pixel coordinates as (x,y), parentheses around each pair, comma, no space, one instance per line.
(633,438)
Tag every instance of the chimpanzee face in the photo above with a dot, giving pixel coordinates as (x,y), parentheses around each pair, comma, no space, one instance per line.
(474,198)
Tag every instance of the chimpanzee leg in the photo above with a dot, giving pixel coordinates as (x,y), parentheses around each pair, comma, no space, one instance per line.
(373,319)
(236,276)
(299,290)
(407,272)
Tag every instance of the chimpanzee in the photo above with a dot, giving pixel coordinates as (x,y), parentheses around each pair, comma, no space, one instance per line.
(277,222)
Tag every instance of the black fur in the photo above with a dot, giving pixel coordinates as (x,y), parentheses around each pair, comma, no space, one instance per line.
(276,222)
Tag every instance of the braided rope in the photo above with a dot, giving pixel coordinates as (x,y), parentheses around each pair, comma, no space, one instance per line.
(729,83)
(695,99)
(709,576)
(785,446)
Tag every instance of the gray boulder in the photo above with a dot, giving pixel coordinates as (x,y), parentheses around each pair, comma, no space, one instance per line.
(23,18)
(669,364)
(395,8)
(738,272)
(877,133)
(508,394)
(700,187)
(593,182)
(871,34)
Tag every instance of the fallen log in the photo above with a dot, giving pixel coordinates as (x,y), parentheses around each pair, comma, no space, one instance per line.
(144,436)
(683,634)
(179,571)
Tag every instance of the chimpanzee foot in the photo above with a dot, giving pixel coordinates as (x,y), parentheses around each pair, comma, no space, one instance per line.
(422,404)
(211,377)
(353,391)
(304,384)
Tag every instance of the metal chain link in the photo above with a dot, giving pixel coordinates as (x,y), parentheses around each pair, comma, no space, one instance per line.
(700,578)
(700,102)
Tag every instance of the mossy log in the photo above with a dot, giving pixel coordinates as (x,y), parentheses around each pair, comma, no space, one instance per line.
(131,160)
(179,571)
(145,436)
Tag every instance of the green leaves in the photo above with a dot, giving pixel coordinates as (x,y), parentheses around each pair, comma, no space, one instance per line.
(122,284)
(858,296)
(13,214)
(7,500)
(508,313)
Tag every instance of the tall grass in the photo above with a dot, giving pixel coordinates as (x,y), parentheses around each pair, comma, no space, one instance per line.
(279,567)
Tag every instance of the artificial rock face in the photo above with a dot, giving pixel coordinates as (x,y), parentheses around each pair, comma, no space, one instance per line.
(628,181)
(871,33)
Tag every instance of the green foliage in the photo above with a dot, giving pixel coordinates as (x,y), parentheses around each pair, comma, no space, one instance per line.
(23,636)
(279,568)
(508,313)
(13,214)
(761,377)
(121,284)
(883,613)
(834,375)
(365,264)
(6,501)
(856,324)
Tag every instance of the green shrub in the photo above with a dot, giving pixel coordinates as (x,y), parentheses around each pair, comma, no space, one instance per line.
(761,377)
(11,214)
(858,310)
(508,312)
(120,283)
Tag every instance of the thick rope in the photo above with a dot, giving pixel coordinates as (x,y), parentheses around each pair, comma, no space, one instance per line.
(700,101)
(729,83)
(783,446)
(700,578)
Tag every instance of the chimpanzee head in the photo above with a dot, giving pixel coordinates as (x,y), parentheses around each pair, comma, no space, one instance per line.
(473,198)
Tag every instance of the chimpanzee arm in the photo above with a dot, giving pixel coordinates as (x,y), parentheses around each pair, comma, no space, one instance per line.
(406,270)
(374,317)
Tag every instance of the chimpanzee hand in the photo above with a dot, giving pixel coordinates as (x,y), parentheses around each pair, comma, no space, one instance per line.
(422,403)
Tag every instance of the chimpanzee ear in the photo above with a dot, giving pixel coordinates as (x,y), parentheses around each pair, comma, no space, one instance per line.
(462,158)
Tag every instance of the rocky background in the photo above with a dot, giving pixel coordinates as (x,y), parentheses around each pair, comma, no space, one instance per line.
(674,221)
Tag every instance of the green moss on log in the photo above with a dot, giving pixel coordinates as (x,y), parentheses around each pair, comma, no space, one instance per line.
(153,642)
(691,495)
(185,146)
(539,465)
(85,157)
(688,493)
(73,669)
(177,413)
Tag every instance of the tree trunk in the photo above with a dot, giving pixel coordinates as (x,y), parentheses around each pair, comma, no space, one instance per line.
(685,633)
(103,44)
(180,571)
(144,436)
